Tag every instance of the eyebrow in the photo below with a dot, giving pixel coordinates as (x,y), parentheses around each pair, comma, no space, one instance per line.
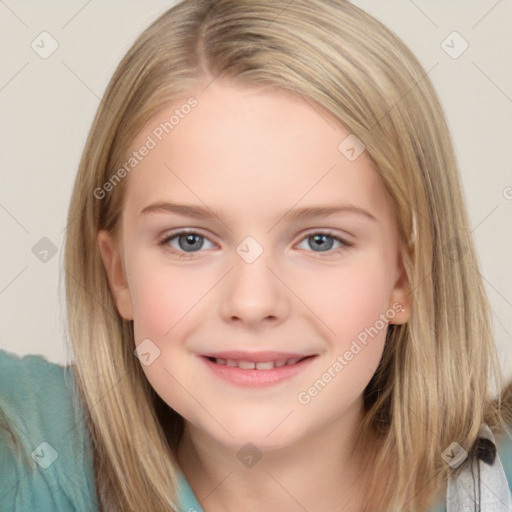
(199,212)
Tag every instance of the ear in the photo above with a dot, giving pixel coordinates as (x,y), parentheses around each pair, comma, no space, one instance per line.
(401,296)
(113,264)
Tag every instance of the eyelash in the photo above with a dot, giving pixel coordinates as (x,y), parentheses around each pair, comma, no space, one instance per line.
(163,242)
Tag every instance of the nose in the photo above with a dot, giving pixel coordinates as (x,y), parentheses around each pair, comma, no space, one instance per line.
(254,293)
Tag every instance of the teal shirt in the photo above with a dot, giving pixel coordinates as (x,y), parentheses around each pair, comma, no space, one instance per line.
(36,399)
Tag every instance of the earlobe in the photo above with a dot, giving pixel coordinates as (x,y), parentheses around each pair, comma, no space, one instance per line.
(113,265)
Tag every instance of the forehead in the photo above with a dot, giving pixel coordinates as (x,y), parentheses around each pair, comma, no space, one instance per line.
(253,149)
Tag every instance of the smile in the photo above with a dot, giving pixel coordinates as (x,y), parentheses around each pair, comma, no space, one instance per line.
(253,365)
(256,374)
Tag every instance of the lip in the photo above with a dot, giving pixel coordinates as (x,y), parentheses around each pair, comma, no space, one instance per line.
(257,378)
(257,357)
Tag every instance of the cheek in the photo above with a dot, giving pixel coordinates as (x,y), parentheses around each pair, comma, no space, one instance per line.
(161,297)
(349,298)
(353,305)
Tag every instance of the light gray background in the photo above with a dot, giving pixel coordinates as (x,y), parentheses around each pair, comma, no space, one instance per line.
(47,106)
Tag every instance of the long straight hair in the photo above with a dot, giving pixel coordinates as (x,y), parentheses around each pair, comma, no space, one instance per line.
(439,378)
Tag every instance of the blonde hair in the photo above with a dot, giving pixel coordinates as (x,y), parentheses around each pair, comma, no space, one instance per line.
(435,382)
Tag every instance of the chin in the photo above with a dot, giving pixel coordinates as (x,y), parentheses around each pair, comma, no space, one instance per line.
(265,435)
(246,440)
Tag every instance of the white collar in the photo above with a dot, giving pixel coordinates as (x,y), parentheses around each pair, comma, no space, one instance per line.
(479,487)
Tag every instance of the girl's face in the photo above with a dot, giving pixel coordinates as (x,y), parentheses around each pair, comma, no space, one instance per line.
(291,249)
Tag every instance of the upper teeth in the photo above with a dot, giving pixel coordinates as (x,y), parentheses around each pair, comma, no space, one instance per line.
(251,365)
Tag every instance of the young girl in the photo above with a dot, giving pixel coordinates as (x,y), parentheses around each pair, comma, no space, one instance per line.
(273,297)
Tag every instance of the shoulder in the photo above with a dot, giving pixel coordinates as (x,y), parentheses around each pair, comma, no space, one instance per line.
(504,448)
(45,451)
(488,482)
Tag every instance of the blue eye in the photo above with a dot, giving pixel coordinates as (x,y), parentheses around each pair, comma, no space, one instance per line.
(190,242)
(325,241)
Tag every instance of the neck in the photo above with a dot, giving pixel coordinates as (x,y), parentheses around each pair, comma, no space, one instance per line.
(319,472)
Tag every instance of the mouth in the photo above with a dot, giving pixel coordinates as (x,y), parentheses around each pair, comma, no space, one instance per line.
(257,365)
(264,372)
